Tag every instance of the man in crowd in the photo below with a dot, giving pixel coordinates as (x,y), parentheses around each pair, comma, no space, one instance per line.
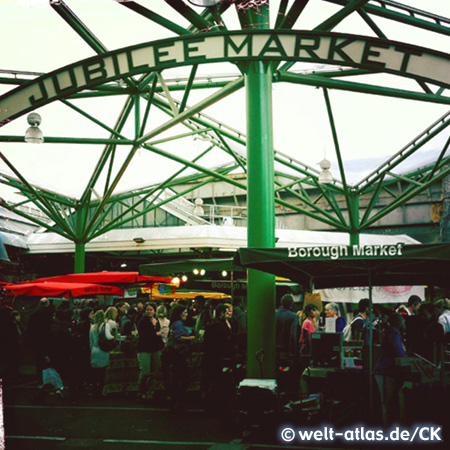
(287,327)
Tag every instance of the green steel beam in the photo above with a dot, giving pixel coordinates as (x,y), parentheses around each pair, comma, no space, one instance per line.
(291,17)
(178,136)
(167,94)
(109,191)
(317,81)
(404,178)
(188,88)
(308,213)
(229,89)
(120,123)
(373,199)
(410,15)
(374,27)
(201,119)
(238,158)
(78,26)
(331,218)
(191,164)
(147,210)
(352,217)
(337,18)
(151,95)
(92,119)
(353,205)
(72,140)
(180,86)
(439,160)
(154,17)
(71,19)
(188,13)
(143,198)
(305,170)
(288,21)
(44,204)
(137,116)
(402,199)
(35,220)
(433,130)
(281,13)
(170,183)
(80,243)
(331,200)
(51,196)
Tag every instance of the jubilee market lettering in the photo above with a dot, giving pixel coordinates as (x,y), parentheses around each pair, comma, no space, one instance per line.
(341,251)
(330,48)
(140,60)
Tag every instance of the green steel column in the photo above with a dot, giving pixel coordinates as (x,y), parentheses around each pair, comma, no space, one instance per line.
(261,214)
(79,243)
(79,257)
(354,218)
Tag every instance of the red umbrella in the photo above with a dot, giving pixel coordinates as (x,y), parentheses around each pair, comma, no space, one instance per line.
(53,289)
(106,278)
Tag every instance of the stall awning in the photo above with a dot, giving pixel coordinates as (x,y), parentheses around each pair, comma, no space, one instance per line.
(343,266)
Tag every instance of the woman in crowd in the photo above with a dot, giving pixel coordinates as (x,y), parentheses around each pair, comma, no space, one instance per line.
(309,326)
(164,322)
(111,325)
(387,374)
(62,348)
(83,349)
(99,358)
(149,349)
(332,310)
(204,317)
(217,346)
(177,356)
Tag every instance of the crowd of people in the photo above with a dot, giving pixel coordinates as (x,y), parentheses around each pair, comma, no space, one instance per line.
(417,329)
(77,343)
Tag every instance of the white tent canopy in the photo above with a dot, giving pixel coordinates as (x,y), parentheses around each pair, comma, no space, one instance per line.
(224,238)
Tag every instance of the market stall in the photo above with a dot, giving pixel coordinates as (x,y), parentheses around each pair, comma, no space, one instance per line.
(343,266)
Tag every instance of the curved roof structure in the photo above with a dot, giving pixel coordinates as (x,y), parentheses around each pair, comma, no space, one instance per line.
(362,83)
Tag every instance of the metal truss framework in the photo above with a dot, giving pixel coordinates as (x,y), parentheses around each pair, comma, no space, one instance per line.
(81,220)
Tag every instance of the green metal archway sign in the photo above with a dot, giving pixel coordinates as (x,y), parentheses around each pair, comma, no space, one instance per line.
(273,46)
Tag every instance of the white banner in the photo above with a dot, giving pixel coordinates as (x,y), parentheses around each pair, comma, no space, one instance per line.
(380,294)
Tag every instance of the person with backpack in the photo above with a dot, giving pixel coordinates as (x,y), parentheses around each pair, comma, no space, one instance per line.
(358,328)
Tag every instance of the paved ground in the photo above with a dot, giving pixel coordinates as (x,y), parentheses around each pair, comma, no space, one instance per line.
(117,422)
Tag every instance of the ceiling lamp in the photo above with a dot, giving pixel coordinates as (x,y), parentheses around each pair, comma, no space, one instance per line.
(34,134)
(325,176)
(204,3)
(198,210)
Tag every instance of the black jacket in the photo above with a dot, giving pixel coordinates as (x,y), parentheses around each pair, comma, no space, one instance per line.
(149,341)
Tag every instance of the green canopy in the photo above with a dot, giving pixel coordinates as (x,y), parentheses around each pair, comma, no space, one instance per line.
(180,267)
(344,266)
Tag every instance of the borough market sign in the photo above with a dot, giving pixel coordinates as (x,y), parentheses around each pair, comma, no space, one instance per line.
(240,46)
(342,251)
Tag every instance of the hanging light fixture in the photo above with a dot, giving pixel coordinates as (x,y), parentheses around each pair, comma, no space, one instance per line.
(198,210)
(34,134)
(325,176)
(204,3)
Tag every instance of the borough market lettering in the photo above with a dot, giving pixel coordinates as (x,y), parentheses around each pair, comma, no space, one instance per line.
(342,251)
(333,48)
